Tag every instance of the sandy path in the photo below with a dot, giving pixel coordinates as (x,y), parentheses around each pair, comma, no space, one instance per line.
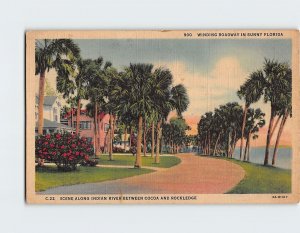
(194,175)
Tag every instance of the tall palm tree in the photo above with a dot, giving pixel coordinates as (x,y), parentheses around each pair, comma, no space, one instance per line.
(251,91)
(275,75)
(218,127)
(75,84)
(114,94)
(284,105)
(57,54)
(166,99)
(255,121)
(137,98)
(97,87)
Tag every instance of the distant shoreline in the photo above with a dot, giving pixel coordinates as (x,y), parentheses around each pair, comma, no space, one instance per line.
(272,147)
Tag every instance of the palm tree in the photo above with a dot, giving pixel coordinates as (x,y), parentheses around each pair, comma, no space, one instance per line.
(137,98)
(166,99)
(255,121)
(250,92)
(57,54)
(97,86)
(276,80)
(114,94)
(220,129)
(284,105)
(204,129)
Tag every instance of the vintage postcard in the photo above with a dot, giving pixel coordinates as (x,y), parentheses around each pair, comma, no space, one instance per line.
(161,117)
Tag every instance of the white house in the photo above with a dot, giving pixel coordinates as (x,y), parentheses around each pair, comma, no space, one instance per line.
(52,108)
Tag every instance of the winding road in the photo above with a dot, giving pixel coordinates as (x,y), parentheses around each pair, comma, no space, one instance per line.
(194,175)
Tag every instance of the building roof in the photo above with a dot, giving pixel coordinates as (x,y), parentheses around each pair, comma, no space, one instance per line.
(53,125)
(48,100)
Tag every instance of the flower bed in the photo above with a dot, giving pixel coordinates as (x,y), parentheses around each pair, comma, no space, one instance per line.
(64,149)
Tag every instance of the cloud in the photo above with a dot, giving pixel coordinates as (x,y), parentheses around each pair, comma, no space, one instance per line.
(209,89)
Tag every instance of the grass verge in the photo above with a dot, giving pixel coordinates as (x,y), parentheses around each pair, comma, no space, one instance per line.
(127,159)
(262,179)
(49,177)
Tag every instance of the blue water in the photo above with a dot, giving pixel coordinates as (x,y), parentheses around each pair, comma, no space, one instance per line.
(257,155)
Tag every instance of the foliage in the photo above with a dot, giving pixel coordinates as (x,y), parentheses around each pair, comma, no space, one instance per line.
(174,133)
(57,53)
(63,149)
(219,131)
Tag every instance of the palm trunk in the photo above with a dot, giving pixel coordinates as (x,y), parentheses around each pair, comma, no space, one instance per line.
(78,116)
(96,130)
(246,148)
(249,140)
(205,145)
(275,126)
(266,160)
(243,129)
(41,109)
(158,141)
(233,144)
(110,150)
(125,136)
(130,140)
(208,143)
(228,144)
(105,149)
(144,147)
(278,136)
(41,103)
(138,160)
(99,136)
(216,144)
(152,140)
(113,131)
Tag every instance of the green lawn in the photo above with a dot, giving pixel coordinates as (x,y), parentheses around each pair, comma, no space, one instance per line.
(261,179)
(127,159)
(49,177)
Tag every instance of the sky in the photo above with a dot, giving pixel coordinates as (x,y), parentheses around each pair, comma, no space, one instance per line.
(211,69)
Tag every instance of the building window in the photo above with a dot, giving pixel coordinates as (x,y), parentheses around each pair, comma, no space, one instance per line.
(83,125)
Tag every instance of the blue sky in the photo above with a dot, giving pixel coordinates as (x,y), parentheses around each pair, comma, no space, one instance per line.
(201,54)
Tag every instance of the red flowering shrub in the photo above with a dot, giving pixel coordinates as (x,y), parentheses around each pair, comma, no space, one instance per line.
(64,149)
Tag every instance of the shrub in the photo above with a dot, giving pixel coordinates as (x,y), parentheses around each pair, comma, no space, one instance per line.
(118,150)
(63,149)
(89,163)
